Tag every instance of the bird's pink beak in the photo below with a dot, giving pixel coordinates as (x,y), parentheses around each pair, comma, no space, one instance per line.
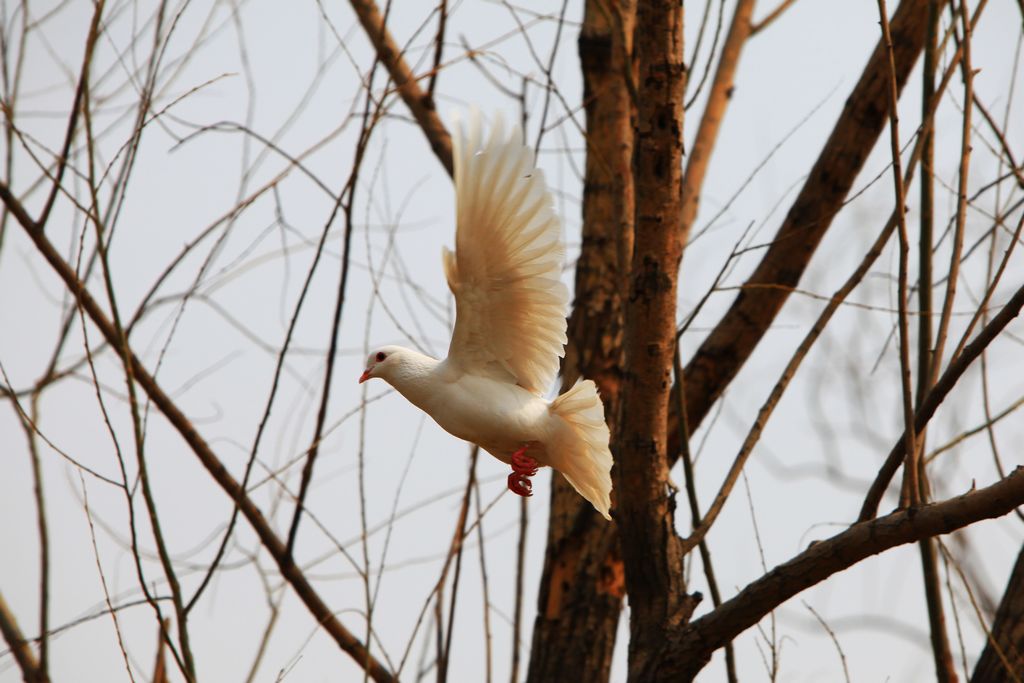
(365,376)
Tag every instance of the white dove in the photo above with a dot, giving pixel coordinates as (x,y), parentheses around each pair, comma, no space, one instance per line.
(509,327)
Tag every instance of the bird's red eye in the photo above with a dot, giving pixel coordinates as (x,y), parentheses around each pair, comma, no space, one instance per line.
(380,356)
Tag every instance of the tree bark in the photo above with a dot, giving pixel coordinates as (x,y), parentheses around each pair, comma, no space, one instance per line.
(651,551)
(1002,660)
(582,586)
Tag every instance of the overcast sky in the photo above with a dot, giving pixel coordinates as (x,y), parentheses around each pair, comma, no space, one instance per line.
(291,73)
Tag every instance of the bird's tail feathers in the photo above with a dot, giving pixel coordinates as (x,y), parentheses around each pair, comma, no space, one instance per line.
(581,452)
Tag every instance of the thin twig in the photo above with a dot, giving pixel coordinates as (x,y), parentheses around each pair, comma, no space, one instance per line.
(911,487)
(442,666)
(772,16)
(484,584)
(517,613)
(711,55)
(991,421)
(691,497)
(835,641)
(44,536)
(961,208)
(944,668)
(1010,669)
(103,583)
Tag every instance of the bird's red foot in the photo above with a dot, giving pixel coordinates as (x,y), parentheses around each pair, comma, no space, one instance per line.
(523,467)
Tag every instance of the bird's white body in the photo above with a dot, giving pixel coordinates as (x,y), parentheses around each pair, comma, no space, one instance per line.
(497,416)
(510,325)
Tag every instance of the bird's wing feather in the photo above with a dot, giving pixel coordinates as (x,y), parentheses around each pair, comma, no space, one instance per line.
(510,302)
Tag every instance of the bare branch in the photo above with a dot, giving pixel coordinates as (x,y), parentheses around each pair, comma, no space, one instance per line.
(291,572)
(926,409)
(912,491)
(714,112)
(688,652)
(736,335)
(419,102)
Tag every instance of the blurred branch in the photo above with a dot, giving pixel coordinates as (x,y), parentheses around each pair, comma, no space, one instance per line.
(714,111)
(420,103)
(20,647)
(320,611)
(160,666)
(772,16)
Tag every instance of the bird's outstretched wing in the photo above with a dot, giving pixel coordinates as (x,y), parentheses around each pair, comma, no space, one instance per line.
(505,273)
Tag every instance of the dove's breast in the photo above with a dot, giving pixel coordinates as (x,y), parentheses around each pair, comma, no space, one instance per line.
(497,416)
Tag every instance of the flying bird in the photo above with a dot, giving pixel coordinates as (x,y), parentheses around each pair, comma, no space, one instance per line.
(510,327)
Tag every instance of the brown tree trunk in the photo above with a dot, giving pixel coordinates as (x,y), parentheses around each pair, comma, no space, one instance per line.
(575,539)
(651,550)
(1002,660)
(582,587)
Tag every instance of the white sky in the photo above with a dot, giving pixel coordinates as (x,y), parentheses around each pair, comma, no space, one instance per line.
(839,417)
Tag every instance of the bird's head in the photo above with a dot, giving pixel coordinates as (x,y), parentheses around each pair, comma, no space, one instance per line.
(382,363)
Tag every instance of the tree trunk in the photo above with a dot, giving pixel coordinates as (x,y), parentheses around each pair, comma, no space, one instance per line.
(582,587)
(651,550)
(738,333)
(1002,660)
